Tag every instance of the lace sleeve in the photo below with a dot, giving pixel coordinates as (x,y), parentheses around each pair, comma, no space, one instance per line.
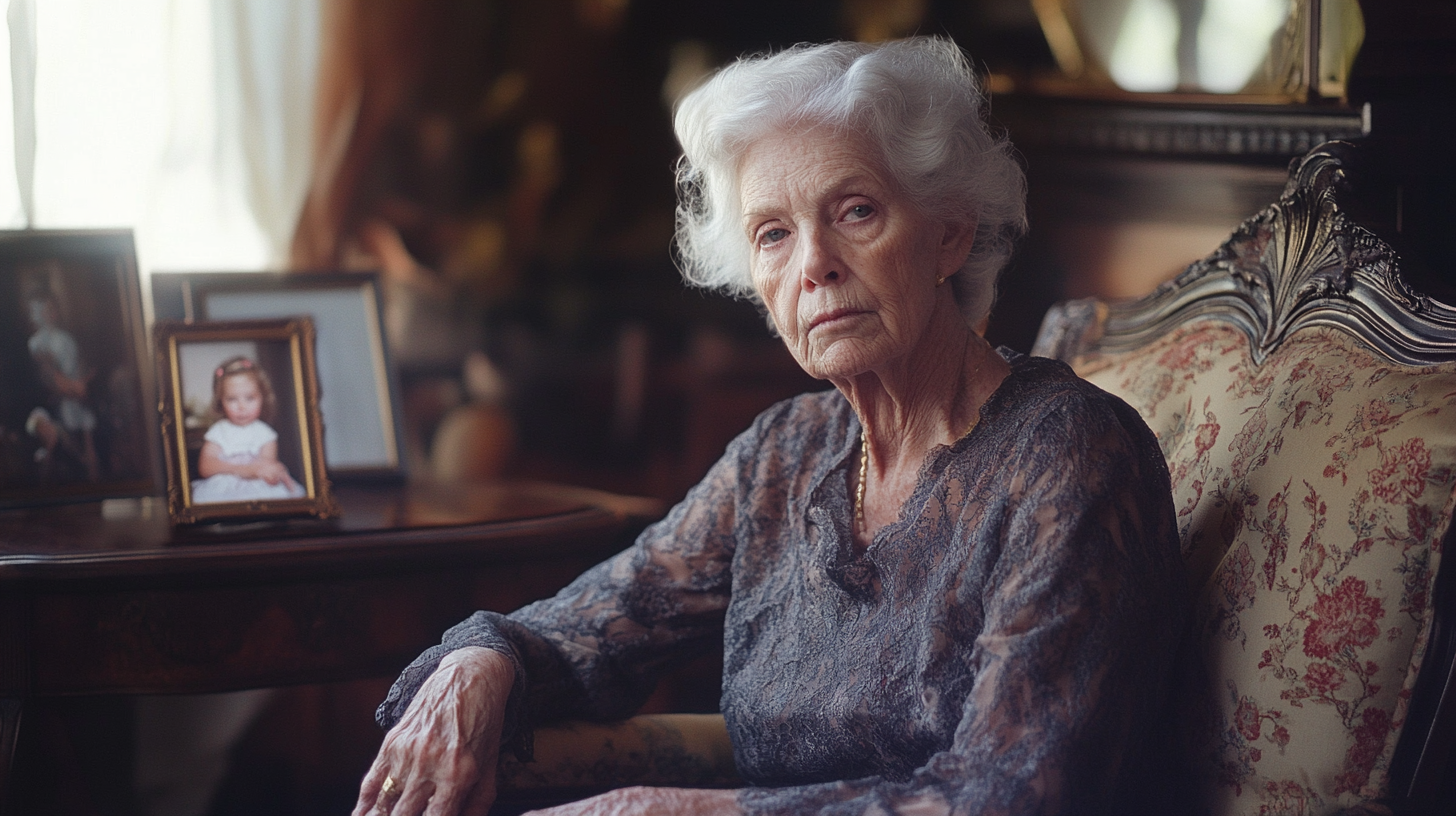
(1081,620)
(596,649)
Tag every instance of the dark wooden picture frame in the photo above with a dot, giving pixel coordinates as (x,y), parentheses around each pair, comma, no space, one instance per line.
(75,385)
(359,398)
(194,358)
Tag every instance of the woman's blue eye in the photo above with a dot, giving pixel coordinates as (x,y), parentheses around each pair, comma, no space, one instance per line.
(861,211)
(772,236)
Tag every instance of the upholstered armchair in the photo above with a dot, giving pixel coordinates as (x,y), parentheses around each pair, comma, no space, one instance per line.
(1305,398)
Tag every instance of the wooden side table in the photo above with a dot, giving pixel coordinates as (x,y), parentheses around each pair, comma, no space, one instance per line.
(110,599)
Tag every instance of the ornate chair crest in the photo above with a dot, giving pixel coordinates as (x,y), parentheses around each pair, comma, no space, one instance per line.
(1302,261)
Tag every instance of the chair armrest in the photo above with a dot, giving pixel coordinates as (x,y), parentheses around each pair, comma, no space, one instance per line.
(679,750)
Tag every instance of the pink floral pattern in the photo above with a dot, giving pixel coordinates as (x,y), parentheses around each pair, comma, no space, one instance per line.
(1312,493)
(1370,738)
(1401,477)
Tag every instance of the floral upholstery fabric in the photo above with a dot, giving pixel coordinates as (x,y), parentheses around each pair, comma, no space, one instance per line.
(1312,494)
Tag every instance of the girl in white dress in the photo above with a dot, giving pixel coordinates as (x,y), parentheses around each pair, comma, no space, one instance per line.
(239,459)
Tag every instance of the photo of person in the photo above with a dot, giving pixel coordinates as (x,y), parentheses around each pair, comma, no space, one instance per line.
(72,417)
(58,361)
(240,420)
(239,457)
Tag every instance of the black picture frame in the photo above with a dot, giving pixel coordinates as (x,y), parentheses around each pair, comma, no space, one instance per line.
(77,398)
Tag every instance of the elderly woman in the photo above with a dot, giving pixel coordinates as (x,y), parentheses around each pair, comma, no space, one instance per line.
(949,585)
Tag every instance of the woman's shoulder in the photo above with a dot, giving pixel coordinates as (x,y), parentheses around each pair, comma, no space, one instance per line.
(1043,376)
(1043,396)
(814,414)
(1039,385)
(797,432)
(814,406)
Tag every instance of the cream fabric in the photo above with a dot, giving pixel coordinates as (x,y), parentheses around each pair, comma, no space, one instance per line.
(1312,494)
(651,749)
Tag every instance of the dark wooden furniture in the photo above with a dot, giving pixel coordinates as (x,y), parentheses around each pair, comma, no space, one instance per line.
(110,599)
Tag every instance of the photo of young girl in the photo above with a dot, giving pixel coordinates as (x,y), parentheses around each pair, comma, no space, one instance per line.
(239,458)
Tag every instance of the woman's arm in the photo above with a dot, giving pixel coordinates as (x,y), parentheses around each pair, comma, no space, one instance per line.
(596,649)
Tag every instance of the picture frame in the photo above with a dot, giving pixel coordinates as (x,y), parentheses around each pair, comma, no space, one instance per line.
(77,393)
(359,389)
(240,420)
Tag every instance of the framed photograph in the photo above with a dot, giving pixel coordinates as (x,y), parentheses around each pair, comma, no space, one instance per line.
(75,388)
(359,392)
(240,420)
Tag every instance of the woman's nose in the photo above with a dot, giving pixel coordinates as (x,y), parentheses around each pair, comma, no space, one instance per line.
(820,264)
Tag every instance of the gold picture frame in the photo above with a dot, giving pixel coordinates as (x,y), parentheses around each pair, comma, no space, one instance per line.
(261,455)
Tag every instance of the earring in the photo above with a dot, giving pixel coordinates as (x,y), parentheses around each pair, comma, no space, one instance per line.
(939,279)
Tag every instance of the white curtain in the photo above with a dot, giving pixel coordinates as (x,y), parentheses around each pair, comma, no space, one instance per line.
(189,122)
(186,120)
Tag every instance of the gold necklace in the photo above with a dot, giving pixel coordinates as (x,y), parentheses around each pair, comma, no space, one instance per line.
(864,470)
(864,474)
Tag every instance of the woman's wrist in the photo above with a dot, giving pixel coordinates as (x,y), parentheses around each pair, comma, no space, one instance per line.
(481,659)
(482,671)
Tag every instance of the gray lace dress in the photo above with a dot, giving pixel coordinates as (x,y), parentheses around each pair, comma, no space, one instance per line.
(1004,647)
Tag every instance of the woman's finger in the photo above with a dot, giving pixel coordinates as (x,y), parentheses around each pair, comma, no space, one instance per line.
(369,789)
(414,797)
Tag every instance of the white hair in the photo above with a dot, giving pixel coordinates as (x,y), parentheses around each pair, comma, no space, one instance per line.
(916,99)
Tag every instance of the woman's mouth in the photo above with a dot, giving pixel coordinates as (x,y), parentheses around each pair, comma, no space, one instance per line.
(831,317)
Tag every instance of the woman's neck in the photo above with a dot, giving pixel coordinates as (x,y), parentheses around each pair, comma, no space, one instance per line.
(929,397)
(908,407)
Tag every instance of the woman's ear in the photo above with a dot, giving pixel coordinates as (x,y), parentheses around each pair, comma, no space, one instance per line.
(955,245)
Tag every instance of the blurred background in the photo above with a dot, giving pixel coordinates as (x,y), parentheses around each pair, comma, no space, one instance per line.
(506,166)
(509,168)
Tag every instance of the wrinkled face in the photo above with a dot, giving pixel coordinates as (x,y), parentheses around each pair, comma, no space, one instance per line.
(845,263)
(242,400)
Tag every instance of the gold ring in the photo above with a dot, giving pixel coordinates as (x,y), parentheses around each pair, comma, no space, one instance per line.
(390,789)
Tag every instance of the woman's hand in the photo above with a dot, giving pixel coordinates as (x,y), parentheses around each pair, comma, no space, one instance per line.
(442,753)
(651,802)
